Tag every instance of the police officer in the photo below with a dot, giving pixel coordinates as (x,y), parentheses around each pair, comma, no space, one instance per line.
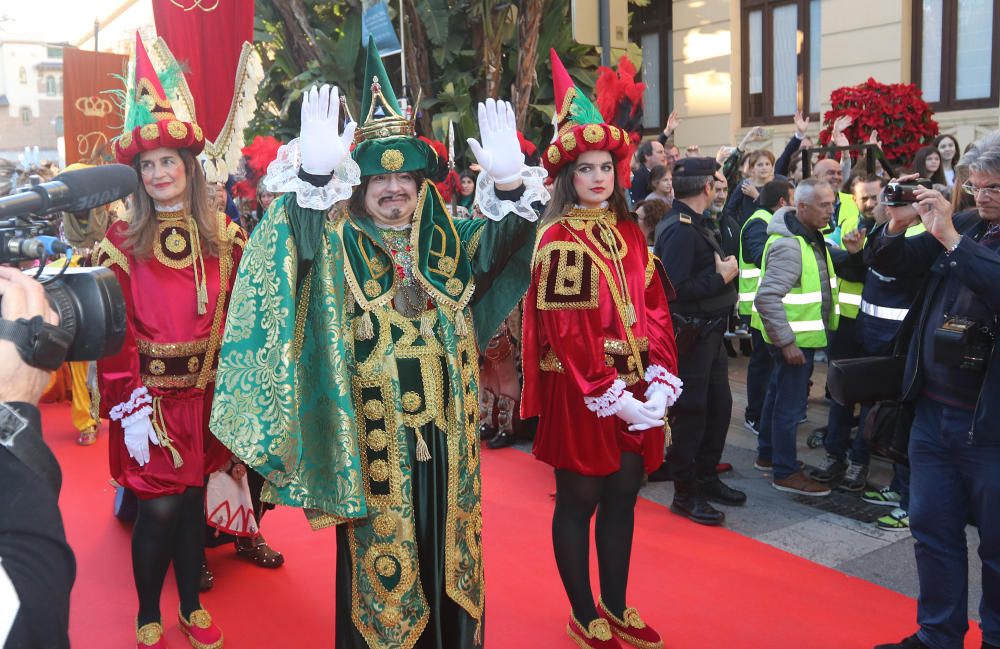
(703,276)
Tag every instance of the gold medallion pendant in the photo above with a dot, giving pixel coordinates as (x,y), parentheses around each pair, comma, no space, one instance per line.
(175,242)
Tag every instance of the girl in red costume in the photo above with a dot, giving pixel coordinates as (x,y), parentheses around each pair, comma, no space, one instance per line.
(175,260)
(599,365)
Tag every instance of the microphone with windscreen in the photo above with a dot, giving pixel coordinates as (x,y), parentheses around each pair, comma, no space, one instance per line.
(78,190)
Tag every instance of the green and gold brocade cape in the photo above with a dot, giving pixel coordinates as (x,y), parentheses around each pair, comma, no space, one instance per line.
(323,386)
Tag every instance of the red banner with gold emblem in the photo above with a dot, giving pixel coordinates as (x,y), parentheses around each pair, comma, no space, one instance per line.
(90,119)
(206,36)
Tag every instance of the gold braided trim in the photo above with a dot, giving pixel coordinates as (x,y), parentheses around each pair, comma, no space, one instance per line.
(171,350)
(215,337)
(631,620)
(107,254)
(175,381)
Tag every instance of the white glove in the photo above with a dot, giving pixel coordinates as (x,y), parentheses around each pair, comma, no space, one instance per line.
(138,435)
(634,413)
(322,150)
(656,404)
(500,153)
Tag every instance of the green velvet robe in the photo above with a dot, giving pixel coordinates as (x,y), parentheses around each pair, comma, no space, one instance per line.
(327,391)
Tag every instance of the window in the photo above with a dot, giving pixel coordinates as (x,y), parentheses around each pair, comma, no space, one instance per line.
(50,85)
(22,75)
(653,32)
(26,116)
(953,54)
(54,52)
(781,64)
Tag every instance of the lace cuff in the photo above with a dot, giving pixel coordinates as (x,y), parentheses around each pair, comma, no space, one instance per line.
(660,380)
(141,413)
(495,208)
(608,403)
(140,397)
(283,176)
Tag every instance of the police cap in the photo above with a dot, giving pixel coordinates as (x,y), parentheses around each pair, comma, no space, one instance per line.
(694,167)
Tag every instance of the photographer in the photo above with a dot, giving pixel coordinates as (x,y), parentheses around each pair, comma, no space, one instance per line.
(953,376)
(36,565)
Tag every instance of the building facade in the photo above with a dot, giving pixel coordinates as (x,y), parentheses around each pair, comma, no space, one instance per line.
(735,64)
(31,97)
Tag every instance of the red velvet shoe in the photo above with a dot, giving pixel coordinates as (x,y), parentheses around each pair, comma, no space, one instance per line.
(596,636)
(632,629)
(150,636)
(201,631)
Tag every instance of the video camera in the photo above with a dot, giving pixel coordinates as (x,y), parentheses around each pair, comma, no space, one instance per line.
(897,194)
(89,301)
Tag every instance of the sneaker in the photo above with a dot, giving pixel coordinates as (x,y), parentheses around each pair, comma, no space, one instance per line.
(800,484)
(884,496)
(751,425)
(832,469)
(910,642)
(763,463)
(855,477)
(895,521)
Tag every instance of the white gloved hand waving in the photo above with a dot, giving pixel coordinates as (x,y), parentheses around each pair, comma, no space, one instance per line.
(634,413)
(322,150)
(500,152)
(138,436)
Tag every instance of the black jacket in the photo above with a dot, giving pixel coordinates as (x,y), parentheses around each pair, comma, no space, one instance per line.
(686,243)
(977,267)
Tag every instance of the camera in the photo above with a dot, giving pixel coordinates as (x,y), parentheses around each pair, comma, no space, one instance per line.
(897,194)
(89,301)
(964,343)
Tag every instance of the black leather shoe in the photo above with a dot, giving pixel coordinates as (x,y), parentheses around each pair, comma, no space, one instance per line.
(688,503)
(911,642)
(662,474)
(207,578)
(717,491)
(503,439)
(487,432)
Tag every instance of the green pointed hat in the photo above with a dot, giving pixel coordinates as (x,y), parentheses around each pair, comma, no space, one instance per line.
(386,141)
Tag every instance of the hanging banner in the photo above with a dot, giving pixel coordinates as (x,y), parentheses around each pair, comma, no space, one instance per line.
(375,20)
(90,119)
(207,37)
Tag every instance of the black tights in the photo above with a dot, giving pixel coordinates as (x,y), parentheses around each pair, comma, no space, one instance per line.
(168,528)
(613,496)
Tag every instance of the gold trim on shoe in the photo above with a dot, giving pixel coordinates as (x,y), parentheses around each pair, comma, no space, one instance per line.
(598,629)
(630,620)
(149,634)
(201,619)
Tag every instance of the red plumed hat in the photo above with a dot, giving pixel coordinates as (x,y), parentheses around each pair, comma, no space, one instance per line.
(580,128)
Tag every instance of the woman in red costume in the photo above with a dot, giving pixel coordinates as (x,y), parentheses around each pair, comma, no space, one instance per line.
(176,261)
(599,365)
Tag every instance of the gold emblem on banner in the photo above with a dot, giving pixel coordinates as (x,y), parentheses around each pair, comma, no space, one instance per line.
(88,144)
(191,5)
(93,106)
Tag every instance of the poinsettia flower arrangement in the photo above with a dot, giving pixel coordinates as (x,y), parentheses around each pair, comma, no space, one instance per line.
(897,111)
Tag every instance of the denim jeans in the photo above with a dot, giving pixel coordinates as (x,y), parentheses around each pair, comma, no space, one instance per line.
(952,479)
(783,407)
(758,377)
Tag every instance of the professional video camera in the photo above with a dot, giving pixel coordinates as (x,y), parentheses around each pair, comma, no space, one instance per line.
(88,300)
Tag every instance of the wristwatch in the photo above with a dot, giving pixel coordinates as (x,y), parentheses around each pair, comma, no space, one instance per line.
(11,424)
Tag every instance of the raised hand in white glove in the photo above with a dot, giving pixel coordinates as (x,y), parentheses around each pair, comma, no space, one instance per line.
(138,436)
(634,413)
(319,145)
(656,405)
(500,153)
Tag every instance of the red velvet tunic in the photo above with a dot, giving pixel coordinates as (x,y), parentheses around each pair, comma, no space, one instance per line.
(575,343)
(170,349)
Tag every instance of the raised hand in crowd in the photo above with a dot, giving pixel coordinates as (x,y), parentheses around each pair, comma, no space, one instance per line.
(873,138)
(801,124)
(854,240)
(693,151)
(729,267)
(753,135)
(672,123)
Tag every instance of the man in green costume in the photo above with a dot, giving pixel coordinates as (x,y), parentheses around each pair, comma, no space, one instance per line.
(348,372)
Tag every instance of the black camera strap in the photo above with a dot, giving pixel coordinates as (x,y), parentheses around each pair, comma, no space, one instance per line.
(40,344)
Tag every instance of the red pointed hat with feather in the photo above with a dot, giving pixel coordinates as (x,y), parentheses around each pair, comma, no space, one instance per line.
(149,119)
(580,128)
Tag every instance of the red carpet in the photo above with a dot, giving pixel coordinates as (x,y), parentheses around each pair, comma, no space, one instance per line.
(701,587)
